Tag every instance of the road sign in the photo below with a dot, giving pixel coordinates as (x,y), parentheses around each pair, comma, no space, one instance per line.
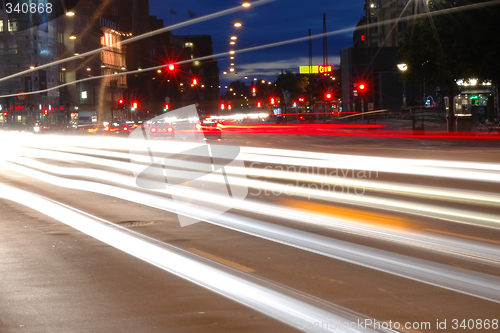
(21,95)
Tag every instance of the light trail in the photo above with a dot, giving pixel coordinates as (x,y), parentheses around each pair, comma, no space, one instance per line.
(135,39)
(239,287)
(459,280)
(223,54)
(468,250)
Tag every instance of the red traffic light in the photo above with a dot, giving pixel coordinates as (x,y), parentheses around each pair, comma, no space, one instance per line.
(254,90)
(120,101)
(5,114)
(195,81)
(301,99)
(259,104)
(272,100)
(328,96)
(362,86)
(171,67)
(167,107)
(45,111)
(363,38)
(222,106)
(134,105)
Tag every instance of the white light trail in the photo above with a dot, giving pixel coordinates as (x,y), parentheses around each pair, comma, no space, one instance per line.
(196,269)
(460,280)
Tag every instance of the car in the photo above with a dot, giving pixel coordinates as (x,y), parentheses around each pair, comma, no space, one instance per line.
(161,129)
(210,128)
(119,128)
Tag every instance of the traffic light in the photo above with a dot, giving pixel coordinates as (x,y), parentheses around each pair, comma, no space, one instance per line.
(229,106)
(254,90)
(328,96)
(272,100)
(5,114)
(222,106)
(171,67)
(301,99)
(195,81)
(166,108)
(45,112)
(362,87)
(259,104)
(134,106)
(120,102)
(294,104)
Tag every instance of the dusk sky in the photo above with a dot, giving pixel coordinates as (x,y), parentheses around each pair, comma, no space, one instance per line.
(268,23)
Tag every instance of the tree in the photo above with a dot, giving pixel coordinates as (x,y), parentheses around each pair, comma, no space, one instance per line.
(455,44)
(288,81)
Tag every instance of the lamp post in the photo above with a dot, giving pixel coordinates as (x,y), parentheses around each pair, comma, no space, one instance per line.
(403,68)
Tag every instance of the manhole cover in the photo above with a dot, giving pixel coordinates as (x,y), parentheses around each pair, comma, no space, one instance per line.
(135,223)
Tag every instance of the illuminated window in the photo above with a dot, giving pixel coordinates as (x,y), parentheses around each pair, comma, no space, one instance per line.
(1,25)
(11,26)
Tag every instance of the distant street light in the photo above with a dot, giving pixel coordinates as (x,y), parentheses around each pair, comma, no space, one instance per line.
(72,36)
(237,24)
(403,68)
(246,4)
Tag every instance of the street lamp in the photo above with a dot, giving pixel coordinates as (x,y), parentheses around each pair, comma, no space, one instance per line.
(237,24)
(403,68)
(246,4)
(72,36)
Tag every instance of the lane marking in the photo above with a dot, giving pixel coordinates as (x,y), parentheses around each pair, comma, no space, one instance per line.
(464,236)
(222,260)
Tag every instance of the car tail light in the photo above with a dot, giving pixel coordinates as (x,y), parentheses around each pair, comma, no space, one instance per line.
(125,128)
(106,129)
(170,129)
(153,130)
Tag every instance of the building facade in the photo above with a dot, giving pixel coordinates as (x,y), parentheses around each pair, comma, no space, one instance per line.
(373,60)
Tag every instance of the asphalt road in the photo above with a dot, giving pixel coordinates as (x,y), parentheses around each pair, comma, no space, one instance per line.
(419,246)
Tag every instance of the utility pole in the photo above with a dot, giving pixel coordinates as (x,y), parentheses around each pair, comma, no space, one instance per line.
(310,53)
(325,42)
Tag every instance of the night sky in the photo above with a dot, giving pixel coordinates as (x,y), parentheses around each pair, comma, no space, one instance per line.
(268,23)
